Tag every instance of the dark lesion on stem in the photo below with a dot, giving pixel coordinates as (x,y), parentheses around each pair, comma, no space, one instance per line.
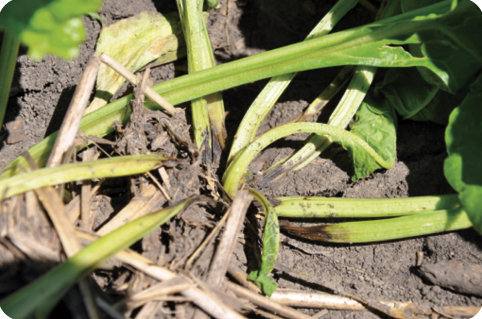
(318,233)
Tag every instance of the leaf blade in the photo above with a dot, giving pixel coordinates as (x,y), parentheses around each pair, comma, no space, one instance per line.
(271,238)
(375,123)
(463,168)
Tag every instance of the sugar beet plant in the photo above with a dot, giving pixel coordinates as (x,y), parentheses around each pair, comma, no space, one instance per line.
(434,54)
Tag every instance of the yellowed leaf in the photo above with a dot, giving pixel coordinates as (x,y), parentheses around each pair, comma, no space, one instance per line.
(135,42)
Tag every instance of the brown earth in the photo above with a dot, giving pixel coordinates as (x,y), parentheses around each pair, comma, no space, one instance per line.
(382,271)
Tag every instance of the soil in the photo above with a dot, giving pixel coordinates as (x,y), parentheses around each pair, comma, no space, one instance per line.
(382,271)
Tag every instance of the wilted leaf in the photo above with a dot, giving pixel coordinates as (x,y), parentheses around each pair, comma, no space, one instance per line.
(270,247)
(135,42)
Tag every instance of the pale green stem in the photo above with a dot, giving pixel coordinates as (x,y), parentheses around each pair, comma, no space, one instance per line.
(207,111)
(198,59)
(200,123)
(321,100)
(237,170)
(276,86)
(341,117)
(386,229)
(323,207)
(343,114)
(217,118)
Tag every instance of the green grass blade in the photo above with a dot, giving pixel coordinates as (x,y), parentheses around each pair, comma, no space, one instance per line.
(236,171)
(323,207)
(270,246)
(276,86)
(110,167)
(386,229)
(8,60)
(29,299)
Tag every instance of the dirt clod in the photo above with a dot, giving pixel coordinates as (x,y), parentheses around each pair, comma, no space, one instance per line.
(15,131)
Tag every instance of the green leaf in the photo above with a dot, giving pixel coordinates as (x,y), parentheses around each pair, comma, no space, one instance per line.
(463,141)
(270,247)
(414,98)
(471,198)
(463,168)
(462,33)
(406,91)
(457,66)
(461,26)
(439,109)
(48,26)
(262,281)
(375,123)
(453,49)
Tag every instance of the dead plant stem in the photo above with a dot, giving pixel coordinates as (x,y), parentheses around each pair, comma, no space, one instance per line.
(71,122)
(55,208)
(266,303)
(199,297)
(119,68)
(219,265)
(86,194)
